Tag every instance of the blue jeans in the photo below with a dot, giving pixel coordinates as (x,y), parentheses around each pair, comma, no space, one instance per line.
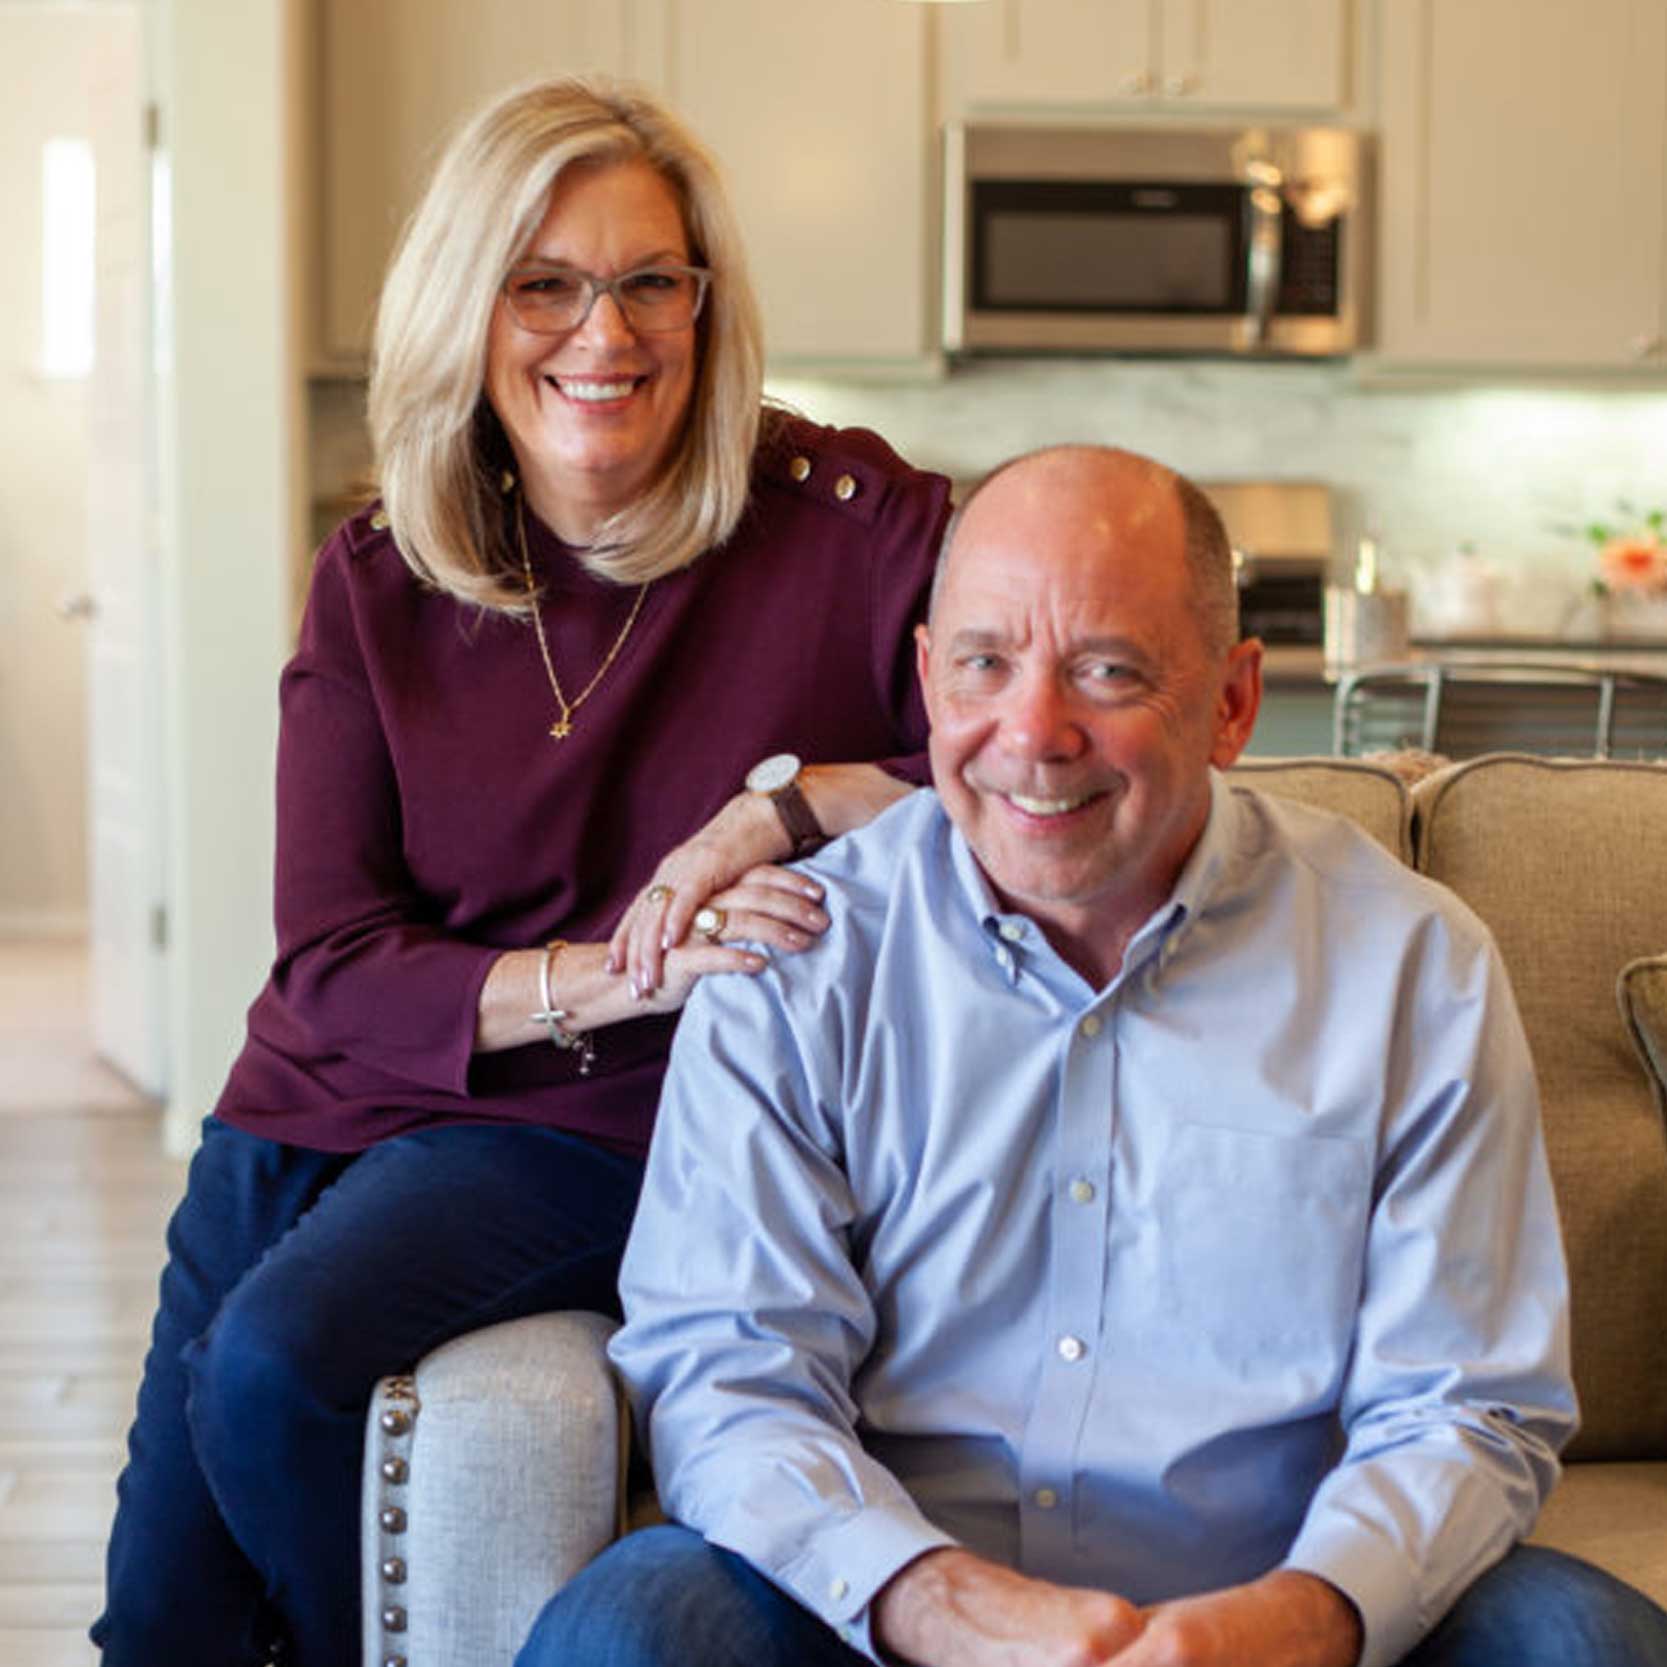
(664,1598)
(296,1279)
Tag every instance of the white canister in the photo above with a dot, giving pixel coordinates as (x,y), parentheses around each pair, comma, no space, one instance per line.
(1364,628)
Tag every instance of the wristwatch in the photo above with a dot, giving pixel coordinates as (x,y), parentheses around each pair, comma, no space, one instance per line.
(776,778)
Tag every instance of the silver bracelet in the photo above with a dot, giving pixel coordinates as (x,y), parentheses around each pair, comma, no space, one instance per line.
(553,1017)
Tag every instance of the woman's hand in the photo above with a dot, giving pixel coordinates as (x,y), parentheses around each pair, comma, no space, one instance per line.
(586,992)
(682,969)
(728,868)
(730,865)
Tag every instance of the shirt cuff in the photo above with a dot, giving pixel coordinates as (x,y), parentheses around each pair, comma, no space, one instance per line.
(839,1574)
(1373,1577)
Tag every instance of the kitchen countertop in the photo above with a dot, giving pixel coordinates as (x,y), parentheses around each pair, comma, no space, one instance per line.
(1613,653)
(1293,673)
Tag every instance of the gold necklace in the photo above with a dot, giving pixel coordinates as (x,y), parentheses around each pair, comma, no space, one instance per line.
(565,708)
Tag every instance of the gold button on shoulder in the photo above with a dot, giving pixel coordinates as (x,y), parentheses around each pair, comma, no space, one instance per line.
(379,520)
(799,468)
(845,488)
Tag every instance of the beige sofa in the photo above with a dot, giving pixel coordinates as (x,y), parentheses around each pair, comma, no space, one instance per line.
(496,1470)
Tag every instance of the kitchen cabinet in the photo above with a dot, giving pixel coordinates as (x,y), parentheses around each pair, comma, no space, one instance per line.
(394,78)
(1136,54)
(1294,722)
(820,116)
(1524,183)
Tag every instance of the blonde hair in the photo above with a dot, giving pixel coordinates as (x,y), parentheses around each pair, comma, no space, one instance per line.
(440,451)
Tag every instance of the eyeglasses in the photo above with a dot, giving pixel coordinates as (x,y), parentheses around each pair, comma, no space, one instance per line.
(550,300)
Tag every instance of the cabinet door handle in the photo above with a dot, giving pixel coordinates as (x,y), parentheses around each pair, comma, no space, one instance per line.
(1137,85)
(1645,347)
(1179,86)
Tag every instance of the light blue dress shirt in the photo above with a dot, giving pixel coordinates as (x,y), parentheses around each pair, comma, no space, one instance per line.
(1249,1259)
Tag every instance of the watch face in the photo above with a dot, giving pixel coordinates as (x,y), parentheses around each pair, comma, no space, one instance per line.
(773,774)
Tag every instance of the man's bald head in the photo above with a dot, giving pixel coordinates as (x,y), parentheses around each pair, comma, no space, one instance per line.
(1127,479)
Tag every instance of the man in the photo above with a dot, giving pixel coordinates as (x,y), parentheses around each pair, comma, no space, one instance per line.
(1128,1237)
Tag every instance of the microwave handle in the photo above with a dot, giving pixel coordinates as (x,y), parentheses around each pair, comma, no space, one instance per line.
(1264,253)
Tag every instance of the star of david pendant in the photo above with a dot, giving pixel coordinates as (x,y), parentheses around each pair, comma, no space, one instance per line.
(560,729)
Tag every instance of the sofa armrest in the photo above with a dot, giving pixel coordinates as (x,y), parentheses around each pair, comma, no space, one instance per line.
(492,1475)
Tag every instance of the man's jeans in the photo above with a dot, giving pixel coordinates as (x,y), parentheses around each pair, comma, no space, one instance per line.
(664,1598)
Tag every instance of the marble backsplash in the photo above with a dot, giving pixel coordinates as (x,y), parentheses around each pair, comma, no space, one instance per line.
(1513,471)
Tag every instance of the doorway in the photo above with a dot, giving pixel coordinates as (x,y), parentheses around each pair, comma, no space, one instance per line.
(81,822)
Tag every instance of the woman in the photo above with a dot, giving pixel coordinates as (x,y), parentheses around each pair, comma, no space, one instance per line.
(601,586)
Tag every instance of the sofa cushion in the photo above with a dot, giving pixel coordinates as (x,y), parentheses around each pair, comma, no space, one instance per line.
(1566,861)
(1612,1515)
(1374,795)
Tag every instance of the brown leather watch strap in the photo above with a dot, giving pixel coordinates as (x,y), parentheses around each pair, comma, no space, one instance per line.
(798,819)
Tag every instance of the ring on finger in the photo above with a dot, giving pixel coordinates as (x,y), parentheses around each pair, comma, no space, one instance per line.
(709,922)
(658,893)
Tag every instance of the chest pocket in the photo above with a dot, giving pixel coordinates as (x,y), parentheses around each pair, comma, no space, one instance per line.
(1260,1247)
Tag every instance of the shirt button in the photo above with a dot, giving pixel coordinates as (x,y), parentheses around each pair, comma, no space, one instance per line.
(837,1589)
(1071,1348)
(1004,959)
(1091,1025)
(1046,1498)
(799,468)
(845,488)
(1012,931)
(1082,1192)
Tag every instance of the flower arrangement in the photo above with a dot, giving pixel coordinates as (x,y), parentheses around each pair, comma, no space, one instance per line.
(1631,561)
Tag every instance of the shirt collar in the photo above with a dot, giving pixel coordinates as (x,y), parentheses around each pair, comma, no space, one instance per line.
(1206,865)
(1200,877)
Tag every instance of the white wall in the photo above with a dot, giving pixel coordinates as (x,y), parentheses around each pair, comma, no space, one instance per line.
(46,51)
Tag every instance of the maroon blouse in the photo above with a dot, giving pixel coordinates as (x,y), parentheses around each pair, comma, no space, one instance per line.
(427,821)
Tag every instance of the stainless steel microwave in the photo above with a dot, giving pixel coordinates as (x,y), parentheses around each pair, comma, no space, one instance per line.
(1155,239)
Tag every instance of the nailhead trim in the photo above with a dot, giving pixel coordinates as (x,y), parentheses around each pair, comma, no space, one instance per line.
(397,1420)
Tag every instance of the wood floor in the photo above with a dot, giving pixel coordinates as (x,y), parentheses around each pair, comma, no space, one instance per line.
(85,1192)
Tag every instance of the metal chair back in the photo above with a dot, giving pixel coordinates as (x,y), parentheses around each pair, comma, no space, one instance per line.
(1461,709)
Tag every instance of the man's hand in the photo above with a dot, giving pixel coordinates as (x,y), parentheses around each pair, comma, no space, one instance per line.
(1285,1619)
(952,1609)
